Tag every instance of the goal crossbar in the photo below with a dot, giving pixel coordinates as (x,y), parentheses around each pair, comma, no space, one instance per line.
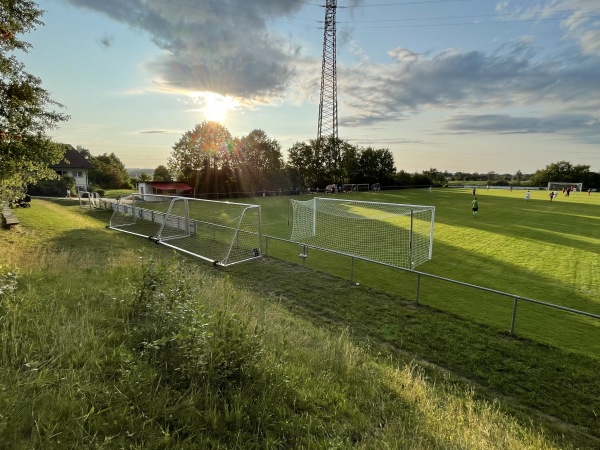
(559,185)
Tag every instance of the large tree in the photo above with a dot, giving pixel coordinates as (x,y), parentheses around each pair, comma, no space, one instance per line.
(108,172)
(202,155)
(376,166)
(161,173)
(323,161)
(258,161)
(26,109)
(307,160)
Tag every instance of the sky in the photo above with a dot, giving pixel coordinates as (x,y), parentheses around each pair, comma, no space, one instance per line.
(456,85)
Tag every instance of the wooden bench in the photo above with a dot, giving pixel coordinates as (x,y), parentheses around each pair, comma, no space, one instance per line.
(8,218)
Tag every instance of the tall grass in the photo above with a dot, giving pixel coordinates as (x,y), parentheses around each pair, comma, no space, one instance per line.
(137,348)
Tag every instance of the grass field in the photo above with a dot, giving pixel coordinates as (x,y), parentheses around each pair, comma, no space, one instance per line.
(537,249)
(110,341)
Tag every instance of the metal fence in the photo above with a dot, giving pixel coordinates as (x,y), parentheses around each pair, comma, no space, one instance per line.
(516,299)
(419,275)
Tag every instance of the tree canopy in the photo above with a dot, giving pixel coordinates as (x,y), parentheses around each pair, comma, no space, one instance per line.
(324,161)
(161,173)
(26,109)
(564,171)
(211,160)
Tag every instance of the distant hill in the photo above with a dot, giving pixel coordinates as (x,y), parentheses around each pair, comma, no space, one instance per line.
(138,172)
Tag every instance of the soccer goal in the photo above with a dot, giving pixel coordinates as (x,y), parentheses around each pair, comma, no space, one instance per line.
(91,198)
(389,233)
(224,233)
(559,186)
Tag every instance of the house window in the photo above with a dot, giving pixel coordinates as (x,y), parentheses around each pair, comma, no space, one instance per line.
(77,173)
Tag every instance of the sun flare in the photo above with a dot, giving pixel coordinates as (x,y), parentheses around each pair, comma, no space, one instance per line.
(215,106)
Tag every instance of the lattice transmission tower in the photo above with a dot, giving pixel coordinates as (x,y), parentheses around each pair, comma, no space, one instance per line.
(328,116)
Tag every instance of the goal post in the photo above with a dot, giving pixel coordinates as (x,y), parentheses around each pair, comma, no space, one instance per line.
(224,233)
(389,233)
(560,185)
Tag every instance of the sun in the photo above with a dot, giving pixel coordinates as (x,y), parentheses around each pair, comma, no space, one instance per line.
(215,106)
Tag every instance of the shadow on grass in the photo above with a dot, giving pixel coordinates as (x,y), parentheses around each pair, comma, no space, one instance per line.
(555,388)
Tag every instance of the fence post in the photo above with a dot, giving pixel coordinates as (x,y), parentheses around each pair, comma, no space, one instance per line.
(514,316)
(418,286)
(352,270)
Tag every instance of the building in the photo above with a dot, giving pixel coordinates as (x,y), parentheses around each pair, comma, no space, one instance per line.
(165,188)
(75,166)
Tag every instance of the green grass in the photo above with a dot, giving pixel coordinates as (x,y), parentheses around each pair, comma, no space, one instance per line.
(109,341)
(536,249)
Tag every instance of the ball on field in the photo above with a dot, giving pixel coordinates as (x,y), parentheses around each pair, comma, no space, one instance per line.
(358,284)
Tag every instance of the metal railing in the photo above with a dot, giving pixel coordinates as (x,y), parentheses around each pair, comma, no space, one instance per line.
(516,298)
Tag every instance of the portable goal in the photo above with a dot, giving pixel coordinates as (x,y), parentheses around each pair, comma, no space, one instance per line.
(560,185)
(388,233)
(224,233)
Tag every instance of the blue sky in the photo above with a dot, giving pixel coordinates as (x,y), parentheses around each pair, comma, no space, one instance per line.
(457,85)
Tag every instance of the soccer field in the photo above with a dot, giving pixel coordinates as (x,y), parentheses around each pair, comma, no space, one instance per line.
(538,249)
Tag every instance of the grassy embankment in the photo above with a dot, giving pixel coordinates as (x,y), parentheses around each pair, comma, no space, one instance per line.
(108,341)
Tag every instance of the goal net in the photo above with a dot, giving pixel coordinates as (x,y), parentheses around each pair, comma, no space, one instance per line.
(224,233)
(560,185)
(389,233)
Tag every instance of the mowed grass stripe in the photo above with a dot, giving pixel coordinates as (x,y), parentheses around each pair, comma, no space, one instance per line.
(536,249)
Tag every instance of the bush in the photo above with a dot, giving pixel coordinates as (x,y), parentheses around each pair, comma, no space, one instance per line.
(52,188)
(187,343)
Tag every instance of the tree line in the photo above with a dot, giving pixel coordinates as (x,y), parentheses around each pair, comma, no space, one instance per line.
(209,159)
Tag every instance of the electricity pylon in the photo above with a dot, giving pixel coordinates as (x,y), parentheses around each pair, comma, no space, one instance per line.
(328,116)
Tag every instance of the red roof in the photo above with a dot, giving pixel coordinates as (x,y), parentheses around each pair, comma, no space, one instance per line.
(171,186)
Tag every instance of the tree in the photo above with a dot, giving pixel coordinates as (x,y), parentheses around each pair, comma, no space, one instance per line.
(109,172)
(144,177)
(403,178)
(305,159)
(161,173)
(350,163)
(25,108)
(559,171)
(434,176)
(376,166)
(258,160)
(200,154)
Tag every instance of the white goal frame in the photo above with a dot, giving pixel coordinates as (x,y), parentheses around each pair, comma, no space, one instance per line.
(224,233)
(93,199)
(388,233)
(559,185)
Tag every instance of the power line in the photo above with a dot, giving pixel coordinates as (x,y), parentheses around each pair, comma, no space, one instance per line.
(467,23)
(565,11)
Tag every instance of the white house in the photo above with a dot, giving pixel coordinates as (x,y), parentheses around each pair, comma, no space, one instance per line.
(74,165)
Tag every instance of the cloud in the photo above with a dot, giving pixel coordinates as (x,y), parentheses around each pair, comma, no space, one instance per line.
(579,19)
(512,76)
(158,132)
(106,40)
(211,46)
(586,127)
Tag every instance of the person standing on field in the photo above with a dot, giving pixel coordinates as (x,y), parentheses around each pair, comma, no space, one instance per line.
(527,195)
(474,207)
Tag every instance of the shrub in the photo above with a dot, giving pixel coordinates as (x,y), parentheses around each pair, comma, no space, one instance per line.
(174,329)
